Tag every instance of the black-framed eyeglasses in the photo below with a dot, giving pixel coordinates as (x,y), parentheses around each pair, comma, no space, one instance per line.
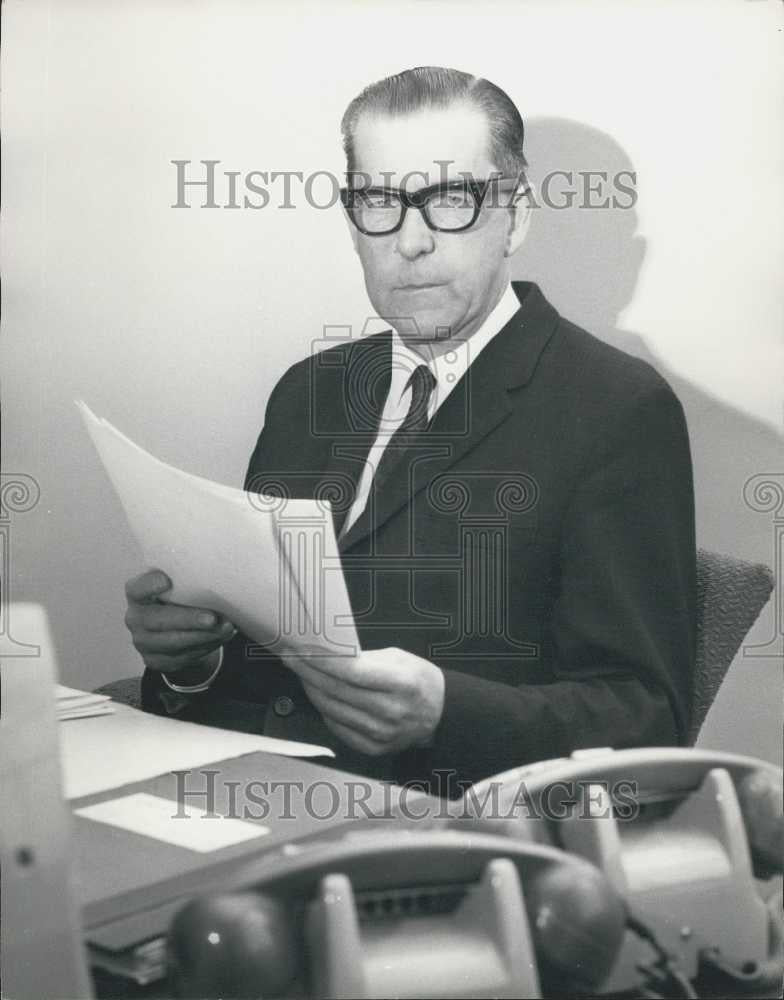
(450,207)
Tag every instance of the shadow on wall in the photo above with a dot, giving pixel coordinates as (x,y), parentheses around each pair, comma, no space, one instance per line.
(587,262)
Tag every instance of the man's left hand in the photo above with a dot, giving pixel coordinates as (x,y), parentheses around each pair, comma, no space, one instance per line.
(382,701)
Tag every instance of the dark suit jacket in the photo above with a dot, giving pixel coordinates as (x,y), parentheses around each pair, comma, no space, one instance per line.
(536,542)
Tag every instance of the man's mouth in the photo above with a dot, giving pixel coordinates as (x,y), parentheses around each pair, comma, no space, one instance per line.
(419,286)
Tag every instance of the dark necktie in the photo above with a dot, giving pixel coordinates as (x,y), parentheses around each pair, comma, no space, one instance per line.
(422,383)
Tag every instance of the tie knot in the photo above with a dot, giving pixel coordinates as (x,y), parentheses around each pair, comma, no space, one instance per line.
(422,376)
(422,382)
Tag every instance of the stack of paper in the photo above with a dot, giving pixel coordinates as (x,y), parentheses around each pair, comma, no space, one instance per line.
(132,745)
(270,566)
(73,704)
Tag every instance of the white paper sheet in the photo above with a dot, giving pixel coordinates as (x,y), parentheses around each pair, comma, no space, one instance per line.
(85,712)
(272,568)
(172,822)
(75,704)
(114,750)
(72,696)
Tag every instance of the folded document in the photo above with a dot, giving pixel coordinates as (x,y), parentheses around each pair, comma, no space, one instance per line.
(270,565)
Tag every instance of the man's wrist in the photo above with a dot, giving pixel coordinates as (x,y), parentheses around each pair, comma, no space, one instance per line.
(438,710)
(192,680)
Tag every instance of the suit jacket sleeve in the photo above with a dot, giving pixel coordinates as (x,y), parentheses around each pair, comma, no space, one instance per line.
(622,632)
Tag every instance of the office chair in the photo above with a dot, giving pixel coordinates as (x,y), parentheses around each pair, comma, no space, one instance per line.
(731,593)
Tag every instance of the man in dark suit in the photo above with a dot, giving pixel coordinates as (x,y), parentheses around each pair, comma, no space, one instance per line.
(516,526)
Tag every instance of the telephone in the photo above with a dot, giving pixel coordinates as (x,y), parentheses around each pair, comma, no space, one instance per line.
(680,835)
(405,913)
(624,872)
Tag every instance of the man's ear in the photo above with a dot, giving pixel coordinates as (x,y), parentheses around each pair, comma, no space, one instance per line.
(519,219)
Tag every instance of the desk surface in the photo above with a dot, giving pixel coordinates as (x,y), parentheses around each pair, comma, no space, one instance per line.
(130,885)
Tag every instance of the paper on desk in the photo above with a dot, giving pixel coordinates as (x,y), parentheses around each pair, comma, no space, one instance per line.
(175,823)
(115,750)
(74,704)
(69,695)
(85,711)
(271,567)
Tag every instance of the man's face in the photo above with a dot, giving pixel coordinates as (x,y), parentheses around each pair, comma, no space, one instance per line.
(444,281)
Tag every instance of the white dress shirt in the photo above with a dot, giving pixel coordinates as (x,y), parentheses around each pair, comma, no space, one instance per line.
(447,369)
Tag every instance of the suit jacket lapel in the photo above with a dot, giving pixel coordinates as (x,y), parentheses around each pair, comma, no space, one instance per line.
(366,375)
(476,406)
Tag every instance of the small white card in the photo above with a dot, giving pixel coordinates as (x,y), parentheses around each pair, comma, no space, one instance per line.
(164,819)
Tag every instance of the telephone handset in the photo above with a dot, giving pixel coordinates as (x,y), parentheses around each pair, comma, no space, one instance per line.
(433,913)
(607,872)
(680,834)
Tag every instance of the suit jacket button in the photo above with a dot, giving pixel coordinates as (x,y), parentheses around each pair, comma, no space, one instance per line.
(283,706)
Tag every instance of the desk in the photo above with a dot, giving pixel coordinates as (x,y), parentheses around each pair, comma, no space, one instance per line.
(130,885)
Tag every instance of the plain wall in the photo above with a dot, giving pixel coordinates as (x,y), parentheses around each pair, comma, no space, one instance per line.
(176,323)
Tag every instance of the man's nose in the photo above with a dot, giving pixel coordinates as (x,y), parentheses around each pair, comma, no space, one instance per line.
(414,237)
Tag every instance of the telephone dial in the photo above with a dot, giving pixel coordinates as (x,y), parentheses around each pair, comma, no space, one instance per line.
(623,873)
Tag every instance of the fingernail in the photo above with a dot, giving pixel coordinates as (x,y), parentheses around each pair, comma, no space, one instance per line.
(206,619)
(228,628)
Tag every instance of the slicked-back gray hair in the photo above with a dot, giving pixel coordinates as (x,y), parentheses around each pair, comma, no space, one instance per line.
(438,87)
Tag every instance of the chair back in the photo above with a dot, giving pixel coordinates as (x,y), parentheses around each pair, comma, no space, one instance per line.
(731,593)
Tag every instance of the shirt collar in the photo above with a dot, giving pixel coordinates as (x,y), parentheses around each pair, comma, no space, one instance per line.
(451,366)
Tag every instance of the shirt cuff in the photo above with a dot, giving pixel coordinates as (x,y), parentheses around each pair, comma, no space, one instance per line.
(196,688)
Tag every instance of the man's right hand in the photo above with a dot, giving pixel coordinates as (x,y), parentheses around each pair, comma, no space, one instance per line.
(173,638)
